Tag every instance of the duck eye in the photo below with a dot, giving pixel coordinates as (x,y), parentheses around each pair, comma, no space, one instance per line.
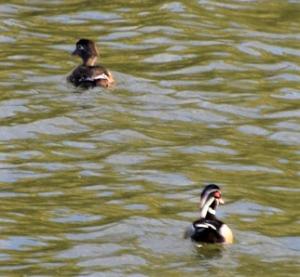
(80,47)
(217,194)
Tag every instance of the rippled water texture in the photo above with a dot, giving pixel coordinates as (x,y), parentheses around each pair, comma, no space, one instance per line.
(103,182)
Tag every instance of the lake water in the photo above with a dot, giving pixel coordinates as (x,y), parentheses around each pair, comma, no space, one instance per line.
(103,182)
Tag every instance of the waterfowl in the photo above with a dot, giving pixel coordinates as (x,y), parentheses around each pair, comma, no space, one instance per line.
(89,74)
(209,229)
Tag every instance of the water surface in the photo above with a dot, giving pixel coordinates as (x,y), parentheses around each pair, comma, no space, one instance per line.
(103,182)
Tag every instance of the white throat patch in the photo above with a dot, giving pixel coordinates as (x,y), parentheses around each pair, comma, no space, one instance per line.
(211,211)
(205,208)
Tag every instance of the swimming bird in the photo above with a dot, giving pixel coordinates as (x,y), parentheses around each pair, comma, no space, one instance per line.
(89,74)
(209,229)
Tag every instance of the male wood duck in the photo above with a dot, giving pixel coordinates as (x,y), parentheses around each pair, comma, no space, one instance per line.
(209,229)
(88,74)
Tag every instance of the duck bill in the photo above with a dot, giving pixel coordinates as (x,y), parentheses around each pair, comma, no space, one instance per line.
(221,201)
(75,53)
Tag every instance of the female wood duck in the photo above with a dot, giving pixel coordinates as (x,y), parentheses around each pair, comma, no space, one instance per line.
(88,74)
(208,228)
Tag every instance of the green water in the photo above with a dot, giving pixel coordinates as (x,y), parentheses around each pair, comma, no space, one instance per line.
(103,182)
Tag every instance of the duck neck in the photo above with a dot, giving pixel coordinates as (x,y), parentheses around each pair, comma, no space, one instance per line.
(206,209)
(211,214)
(90,61)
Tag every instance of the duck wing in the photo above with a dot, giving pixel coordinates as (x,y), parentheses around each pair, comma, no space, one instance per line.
(205,231)
(97,73)
(90,76)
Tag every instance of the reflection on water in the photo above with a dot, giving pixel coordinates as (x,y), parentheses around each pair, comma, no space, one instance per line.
(104,182)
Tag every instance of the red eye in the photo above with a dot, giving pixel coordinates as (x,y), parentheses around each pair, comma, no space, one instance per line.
(217,194)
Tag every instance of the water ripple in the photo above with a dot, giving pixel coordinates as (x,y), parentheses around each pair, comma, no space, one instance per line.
(103,182)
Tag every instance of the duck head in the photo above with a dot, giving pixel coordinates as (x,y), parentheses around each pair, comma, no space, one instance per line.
(86,49)
(210,199)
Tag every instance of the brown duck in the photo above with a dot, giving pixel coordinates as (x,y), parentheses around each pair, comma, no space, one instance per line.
(88,74)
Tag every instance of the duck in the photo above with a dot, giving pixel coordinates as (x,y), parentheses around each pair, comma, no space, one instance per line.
(208,228)
(89,74)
